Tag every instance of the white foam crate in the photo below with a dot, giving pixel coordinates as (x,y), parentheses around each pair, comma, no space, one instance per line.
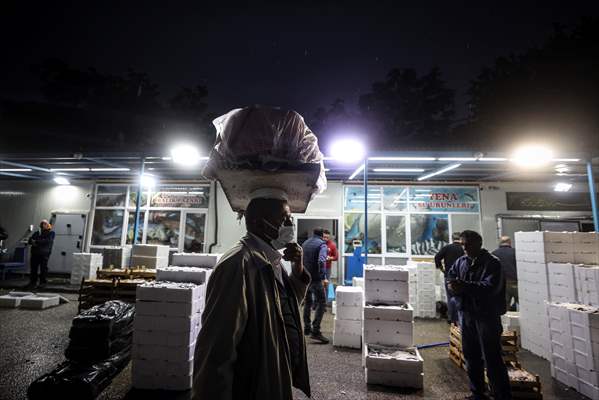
(348,312)
(385,273)
(403,312)
(13,299)
(158,367)
(149,262)
(347,340)
(348,327)
(183,274)
(164,353)
(38,302)
(150,250)
(169,292)
(386,292)
(387,358)
(389,333)
(203,260)
(395,379)
(349,296)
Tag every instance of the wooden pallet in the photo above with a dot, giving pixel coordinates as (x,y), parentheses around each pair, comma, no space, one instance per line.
(98,291)
(524,384)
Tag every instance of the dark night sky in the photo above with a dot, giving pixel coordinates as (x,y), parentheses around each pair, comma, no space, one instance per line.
(291,56)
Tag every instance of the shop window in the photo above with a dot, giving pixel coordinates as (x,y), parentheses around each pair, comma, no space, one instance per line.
(111,196)
(131,225)
(395,198)
(429,233)
(163,228)
(461,222)
(354,232)
(107,228)
(195,225)
(396,234)
(133,198)
(354,198)
(181,197)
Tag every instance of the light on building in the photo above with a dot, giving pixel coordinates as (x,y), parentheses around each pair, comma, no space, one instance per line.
(532,156)
(562,187)
(185,155)
(148,180)
(348,151)
(61,180)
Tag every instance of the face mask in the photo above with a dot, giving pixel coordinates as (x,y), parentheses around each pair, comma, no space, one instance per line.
(286,234)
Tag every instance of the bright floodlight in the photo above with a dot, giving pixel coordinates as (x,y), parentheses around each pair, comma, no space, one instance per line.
(532,156)
(347,151)
(61,180)
(148,180)
(185,155)
(562,187)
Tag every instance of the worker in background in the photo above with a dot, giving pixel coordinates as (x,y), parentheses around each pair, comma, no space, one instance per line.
(41,247)
(315,259)
(477,282)
(507,257)
(332,254)
(250,345)
(444,259)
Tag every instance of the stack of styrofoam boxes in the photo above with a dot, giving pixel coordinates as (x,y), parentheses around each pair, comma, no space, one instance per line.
(586,248)
(574,331)
(85,265)
(195,260)
(347,331)
(562,282)
(413,284)
(533,251)
(116,256)
(358,282)
(587,284)
(151,256)
(167,323)
(440,293)
(391,366)
(425,292)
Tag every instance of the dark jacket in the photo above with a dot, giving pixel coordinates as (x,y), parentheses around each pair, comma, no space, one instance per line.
(315,257)
(41,243)
(3,233)
(507,258)
(483,282)
(242,350)
(448,254)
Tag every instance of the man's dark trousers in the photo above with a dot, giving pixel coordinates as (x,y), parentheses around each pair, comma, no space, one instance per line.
(481,345)
(315,294)
(38,262)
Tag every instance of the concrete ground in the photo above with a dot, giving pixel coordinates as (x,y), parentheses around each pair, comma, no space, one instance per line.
(33,343)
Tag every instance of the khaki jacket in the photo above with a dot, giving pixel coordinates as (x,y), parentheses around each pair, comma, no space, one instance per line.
(242,351)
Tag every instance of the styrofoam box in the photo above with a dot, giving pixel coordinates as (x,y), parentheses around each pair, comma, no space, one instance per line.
(183,274)
(584,374)
(38,302)
(562,376)
(166,353)
(150,250)
(385,273)
(348,327)
(157,367)
(161,338)
(165,382)
(543,237)
(196,259)
(403,312)
(159,308)
(13,299)
(149,262)
(165,323)
(349,312)
(349,296)
(346,340)
(386,292)
(581,238)
(334,307)
(396,379)
(388,358)
(169,292)
(389,333)
(588,389)
(585,257)
(358,282)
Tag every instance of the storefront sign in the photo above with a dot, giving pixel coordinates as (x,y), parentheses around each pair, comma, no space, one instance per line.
(444,199)
(191,199)
(548,201)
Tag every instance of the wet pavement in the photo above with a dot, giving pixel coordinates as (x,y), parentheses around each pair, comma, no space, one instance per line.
(33,343)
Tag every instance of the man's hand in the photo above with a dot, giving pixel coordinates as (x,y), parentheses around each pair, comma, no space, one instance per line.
(293,252)
(456,287)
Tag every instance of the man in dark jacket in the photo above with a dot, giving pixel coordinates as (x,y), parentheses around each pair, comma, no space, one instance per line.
(476,280)
(444,259)
(507,257)
(315,261)
(251,344)
(41,247)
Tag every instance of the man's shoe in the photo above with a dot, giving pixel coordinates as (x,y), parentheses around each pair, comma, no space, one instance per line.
(307,331)
(318,336)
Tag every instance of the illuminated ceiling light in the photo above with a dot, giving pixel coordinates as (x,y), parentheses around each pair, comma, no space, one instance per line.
(496,159)
(457,158)
(148,180)
(61,180)
(561,168)
(422,190)
(398,169)
(15,169)
(566,159)
(69,169)
(439,171)
(532,156)
(185,155)
(562,187)
(401,158)
(357,171)
(166,158)
(109,169)
(327,169)
(348,151)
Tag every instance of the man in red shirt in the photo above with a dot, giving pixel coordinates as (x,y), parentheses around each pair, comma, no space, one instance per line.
(332,254)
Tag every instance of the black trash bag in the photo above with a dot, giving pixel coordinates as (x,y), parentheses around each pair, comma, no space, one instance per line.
(91,352)
(72,380)
(107,320)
